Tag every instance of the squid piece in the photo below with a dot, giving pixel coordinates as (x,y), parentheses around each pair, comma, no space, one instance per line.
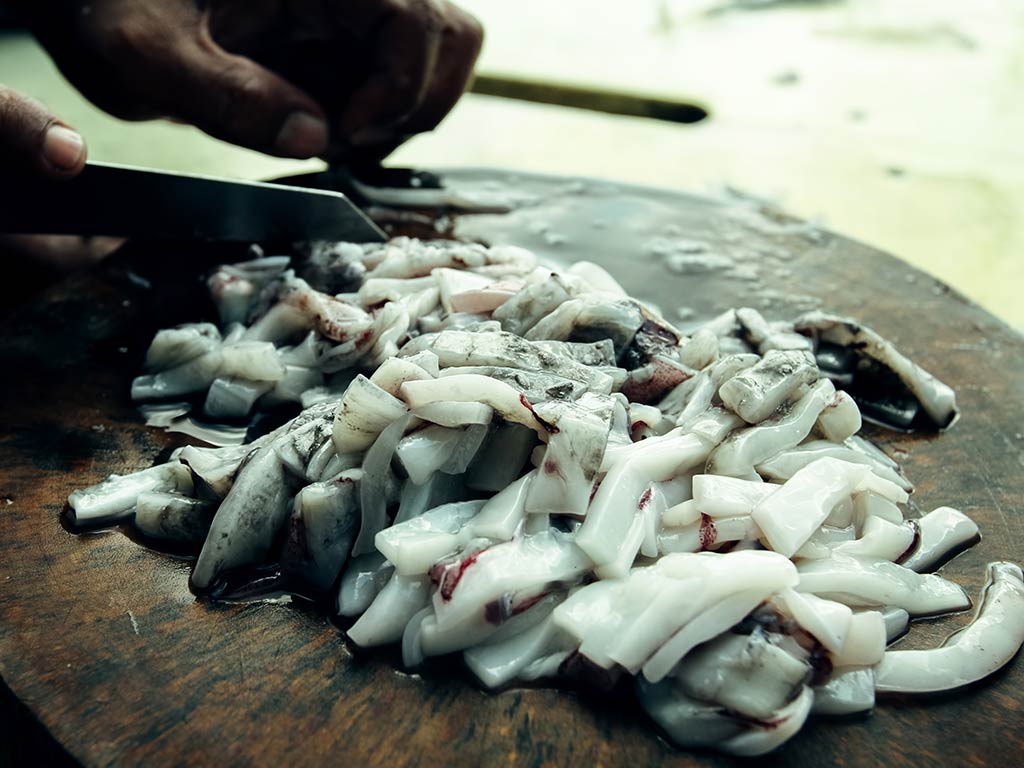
(591,317)
(361,582)
(652,381)
(700,350)
(720,496)
(172,347)
(424,452)
(378,485)
(766,736)
(764,336)
(795,511)
(942,533)
(232,398)
(849,690)
(604,535)
(502,514)
(689,723)
(865,641)
(840,419)
(784,465)
(600,354)
(394,372)
(307,445)
(643,620)
(455,414)
(694,396)
(195,375)
(297,380)
(322,527)
(473,588)
(537,650)
(474,388)
(248,520)
(857,583)
(879,370)
(386,618)
(214,469)
(880,540)
(281,323)
(470,440)
(173,517)
(465,348)
(332,318)
(251,360)
(536,301)
(381,290)
(114,499)
(745,664)
(597,278)
(742,450)
(407,258)
(234,288)
(755,393)
(575,450)
(417,499)
(827,621)
(365,411)
(985,645)
(415,545)
(535,385)
(501,458)
(748,674)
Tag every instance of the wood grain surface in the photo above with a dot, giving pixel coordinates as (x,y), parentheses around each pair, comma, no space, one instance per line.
(101,641)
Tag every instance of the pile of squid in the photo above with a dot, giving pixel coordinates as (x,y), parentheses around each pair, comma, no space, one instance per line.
(526,466)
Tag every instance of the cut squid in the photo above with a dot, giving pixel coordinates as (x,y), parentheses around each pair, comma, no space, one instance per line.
(522,464)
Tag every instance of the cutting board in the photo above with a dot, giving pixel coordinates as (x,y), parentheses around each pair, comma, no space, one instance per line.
(102,643)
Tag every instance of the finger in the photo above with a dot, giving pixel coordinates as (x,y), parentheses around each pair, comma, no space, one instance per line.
(230,97)
(460,47)
(235,99)
(407,48)
(32,138)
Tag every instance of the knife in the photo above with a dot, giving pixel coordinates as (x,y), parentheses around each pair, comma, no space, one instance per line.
(123,201)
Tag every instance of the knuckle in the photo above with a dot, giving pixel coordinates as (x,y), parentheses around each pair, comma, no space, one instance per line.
(128,41)
(468,31)
(240,91)
(428,14)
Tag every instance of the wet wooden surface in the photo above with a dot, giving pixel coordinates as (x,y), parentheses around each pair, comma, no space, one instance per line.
(102,642)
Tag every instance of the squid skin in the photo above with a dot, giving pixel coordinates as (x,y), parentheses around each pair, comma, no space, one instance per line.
(936,399)
(172,517)
(757,392)
(247,521)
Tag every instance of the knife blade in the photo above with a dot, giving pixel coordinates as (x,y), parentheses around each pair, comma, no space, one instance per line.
(124,201)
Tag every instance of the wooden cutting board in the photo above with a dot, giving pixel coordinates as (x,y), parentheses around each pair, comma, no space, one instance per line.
(101,640)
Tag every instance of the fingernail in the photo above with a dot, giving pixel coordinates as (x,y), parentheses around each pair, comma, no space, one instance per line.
(63,148)
(368,137)
(302,135)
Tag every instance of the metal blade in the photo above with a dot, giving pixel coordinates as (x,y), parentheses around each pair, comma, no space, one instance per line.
(123,201)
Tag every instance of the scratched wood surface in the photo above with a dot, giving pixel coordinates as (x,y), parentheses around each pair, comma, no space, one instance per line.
(101,641)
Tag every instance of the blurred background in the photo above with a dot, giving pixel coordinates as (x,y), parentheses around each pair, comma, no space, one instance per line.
(895,122)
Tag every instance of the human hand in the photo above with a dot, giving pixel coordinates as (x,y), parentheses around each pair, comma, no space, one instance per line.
(294,78)
(34,140)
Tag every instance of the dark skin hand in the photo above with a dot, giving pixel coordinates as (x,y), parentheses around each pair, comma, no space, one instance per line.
(344,79)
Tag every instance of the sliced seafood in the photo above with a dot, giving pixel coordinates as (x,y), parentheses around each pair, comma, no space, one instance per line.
(525,465)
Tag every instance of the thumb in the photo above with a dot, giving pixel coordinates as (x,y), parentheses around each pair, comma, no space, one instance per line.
(33,139)
(235,99)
